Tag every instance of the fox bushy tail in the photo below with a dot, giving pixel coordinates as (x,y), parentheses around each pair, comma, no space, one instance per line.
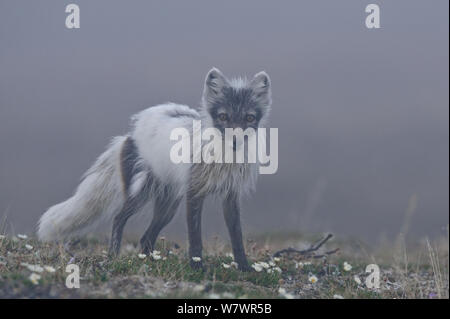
(96,201)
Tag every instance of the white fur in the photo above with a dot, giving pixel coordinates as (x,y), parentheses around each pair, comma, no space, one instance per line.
(98,198)
(100,195)
(152,128)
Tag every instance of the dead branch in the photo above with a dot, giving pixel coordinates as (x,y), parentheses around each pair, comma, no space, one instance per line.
(310,252)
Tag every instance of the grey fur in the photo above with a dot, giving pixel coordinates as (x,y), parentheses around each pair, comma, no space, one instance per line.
(194,222)
(129,159)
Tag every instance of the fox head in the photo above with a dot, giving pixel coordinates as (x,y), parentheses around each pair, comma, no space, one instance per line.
(236,103)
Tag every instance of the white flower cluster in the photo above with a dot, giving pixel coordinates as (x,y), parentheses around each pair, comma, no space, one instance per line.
(155,255)
(232,264)
(269,266)
(35,270)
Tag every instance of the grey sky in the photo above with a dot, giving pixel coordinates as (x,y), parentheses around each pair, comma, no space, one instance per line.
(362,114)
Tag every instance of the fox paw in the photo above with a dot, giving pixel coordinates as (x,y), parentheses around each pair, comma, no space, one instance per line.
(245,267)
(197,265)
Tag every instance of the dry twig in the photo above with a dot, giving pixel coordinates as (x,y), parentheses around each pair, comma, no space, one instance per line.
(310,252)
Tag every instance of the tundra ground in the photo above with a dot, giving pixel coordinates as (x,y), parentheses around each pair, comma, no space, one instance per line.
(30,269)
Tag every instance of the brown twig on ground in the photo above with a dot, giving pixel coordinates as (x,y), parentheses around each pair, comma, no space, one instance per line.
(310,252)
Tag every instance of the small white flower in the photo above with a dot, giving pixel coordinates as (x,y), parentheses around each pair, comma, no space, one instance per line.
(196,259)
(198,288)
(347,266)
(257,267)
(156,255)
(29,247)
(213,296)
(277,269)
(271,263)
(33,268)
(301,264)
(337,297)
(2,236)
(270,270)
(313,279)
(264,264)
(229,255)
(357,280)
(22,236)
(226,266)
(34,278)
(227,295)
(234,264)
(142,256)
(49,269)
(276,259)
(285,294)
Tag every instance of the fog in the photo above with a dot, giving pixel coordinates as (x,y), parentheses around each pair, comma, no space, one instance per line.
(362,114)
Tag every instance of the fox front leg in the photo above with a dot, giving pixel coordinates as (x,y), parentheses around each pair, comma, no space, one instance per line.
(194,221)
(231,212)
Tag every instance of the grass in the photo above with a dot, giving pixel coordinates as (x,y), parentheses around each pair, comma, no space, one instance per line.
(416,271)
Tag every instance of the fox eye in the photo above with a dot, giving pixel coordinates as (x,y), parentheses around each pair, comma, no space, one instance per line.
(250,118)
(223,117)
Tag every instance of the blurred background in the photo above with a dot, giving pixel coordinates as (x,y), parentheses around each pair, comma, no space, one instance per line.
(362,114)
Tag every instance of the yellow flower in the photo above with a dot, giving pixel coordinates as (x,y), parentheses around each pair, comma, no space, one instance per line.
(313,279)
(34,278)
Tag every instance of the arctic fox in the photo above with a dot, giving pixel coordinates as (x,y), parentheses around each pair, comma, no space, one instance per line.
(136,169)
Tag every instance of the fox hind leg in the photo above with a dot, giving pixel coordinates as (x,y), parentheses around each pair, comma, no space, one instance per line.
(130,207)
(165,208)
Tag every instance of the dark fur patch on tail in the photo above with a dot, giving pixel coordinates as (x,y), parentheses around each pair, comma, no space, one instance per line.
(128,160)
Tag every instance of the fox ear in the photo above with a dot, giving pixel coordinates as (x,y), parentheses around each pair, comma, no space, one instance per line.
(214,83)
(262,88)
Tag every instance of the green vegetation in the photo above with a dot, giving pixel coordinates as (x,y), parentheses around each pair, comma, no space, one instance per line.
(32,269)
